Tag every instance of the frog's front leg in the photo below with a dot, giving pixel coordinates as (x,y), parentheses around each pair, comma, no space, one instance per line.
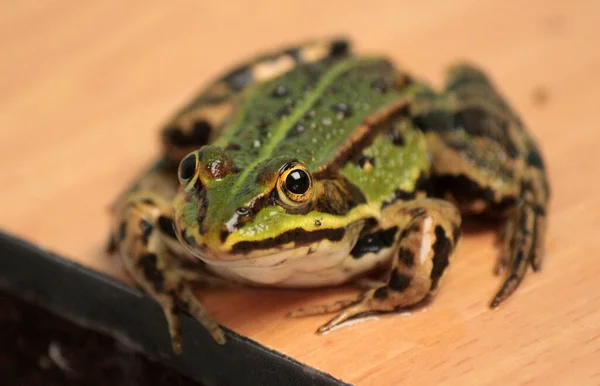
(426,233)
(147,244)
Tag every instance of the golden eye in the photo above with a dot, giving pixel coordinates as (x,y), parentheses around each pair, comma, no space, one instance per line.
(187,167)
(295,184)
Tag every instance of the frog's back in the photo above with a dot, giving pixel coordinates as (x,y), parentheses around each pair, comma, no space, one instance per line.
(318,113)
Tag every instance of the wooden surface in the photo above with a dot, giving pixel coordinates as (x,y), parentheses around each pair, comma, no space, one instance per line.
(84,86)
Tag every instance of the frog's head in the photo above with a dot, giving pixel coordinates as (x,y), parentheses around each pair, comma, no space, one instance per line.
(224,213)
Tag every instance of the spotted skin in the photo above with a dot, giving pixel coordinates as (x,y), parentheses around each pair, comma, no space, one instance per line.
(202,119)
(469,128)
(389,163)
(146,249)
(423,236)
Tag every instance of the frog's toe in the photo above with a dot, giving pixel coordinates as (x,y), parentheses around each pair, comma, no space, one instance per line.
(523,248)
(192,305)
(352,312)
(505,239)
(322,309)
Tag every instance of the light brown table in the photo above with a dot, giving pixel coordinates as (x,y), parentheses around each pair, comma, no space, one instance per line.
(84,86)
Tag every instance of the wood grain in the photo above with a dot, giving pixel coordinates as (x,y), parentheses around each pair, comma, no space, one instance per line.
(84,86)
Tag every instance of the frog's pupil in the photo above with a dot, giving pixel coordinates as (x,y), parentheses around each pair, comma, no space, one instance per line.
(297,182)
(187,168)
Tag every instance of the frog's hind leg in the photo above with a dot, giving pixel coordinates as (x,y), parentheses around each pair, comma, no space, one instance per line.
(200,121)
(425,233)
(486,162)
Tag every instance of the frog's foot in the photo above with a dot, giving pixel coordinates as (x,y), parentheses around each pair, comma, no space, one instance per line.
(149,252)
(525,231)
(426,236)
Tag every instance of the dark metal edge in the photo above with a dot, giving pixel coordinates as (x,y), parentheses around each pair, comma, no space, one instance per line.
(93,300)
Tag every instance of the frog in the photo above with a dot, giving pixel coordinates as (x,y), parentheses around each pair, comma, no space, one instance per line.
(314,166)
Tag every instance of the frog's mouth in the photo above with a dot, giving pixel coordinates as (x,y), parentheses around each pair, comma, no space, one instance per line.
(289,246)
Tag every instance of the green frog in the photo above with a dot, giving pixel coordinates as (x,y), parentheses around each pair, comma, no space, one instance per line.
(313,166)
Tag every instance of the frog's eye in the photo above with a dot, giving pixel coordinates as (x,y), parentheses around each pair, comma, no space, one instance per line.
(187,167)
(295,184)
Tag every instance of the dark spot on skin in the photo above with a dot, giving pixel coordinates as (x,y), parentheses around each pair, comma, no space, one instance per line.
(294,53)
(402,80)
(112,245)
(280,91)
(364,160)
(317,223)
(189,239)
(344,109)
(539,210)
(379,85)
(297,129)
(339,47)
(202,208)
(146,228)
(200,132)
(148,201)
(414,227)
(397,138)
(441,252)
(403,195)
(240,78)
(263,123)
(438,120)
(147,263)
(224,234)
(534,159)
(233,147)
(122,230)
(399,281)
(423,184)
(374,242)
(285,110)
(198,187)
(298,236)
(166,226)
(406,257)
(198,135)
(381,293)
(464,191)
(479,122)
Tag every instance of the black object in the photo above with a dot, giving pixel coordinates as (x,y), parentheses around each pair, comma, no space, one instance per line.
(39,348)
(92,300)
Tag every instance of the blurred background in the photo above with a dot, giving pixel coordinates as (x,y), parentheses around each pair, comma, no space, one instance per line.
(85,85)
